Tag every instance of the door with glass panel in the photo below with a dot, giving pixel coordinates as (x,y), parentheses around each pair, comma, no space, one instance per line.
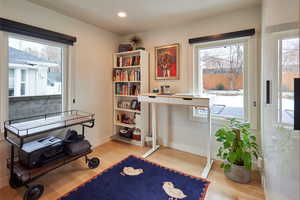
(280,140)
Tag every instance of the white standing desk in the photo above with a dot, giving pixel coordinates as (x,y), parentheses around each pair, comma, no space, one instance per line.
(187,100)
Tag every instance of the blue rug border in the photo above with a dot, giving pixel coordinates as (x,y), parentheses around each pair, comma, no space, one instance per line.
(203,193)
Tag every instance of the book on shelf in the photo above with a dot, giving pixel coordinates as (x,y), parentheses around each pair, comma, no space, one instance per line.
(128,61)
(126,75)
(127,89)
(129,105)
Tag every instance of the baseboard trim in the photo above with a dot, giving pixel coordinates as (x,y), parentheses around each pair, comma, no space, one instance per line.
(188,148)
(101,141)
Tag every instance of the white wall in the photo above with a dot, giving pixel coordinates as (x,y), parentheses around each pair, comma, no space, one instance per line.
(280,12)
(93,63)
(281,146)
(184,133)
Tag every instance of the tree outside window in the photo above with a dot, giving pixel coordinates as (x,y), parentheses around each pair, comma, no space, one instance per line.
(222,69)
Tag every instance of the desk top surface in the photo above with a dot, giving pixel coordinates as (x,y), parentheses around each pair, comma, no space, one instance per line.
(177,95)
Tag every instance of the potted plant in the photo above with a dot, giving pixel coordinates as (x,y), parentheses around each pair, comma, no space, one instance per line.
(136,41)
(238,148)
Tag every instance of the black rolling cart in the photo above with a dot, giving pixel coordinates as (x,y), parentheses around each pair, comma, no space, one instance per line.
(19,131)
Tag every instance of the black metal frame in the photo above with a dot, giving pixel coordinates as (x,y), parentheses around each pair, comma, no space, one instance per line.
(297,104)
(11,163)
(223,36)
(31,179)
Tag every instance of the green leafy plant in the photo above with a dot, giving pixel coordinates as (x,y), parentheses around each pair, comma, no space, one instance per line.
(239,145)
(220,86)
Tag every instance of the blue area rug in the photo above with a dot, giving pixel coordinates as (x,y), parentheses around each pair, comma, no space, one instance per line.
(137,179)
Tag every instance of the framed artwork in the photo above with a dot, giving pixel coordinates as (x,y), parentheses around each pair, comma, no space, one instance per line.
(167,62)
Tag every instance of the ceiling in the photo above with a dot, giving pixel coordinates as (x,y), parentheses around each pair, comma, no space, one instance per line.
(143,15)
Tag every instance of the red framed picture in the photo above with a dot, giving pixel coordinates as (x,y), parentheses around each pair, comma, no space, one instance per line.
(167,62)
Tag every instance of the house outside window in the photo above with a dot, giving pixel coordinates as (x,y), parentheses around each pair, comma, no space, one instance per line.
(36,70)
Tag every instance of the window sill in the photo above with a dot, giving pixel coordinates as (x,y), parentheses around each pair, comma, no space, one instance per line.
(287,127)
(219,121)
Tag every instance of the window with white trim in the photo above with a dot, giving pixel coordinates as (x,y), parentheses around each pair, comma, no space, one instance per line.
(221,69)
(36,76)
(288,69)
(40,60)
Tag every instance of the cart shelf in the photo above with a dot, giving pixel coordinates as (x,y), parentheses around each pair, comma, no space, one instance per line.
(27,127)
(27,175)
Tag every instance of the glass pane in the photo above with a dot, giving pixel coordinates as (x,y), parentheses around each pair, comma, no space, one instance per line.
(222,70)
(11,78)
(35,78)
(22,89)
(23,75)
(11,84)
(289,71)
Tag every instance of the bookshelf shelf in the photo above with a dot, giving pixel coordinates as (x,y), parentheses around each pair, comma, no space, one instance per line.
(130,96)
(128,67)
(127,110)
(130,78)
(127,81)
(126,53)
(126,140)
(125,125)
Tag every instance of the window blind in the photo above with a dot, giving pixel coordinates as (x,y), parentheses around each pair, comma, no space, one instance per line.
(33,31)
(223,36)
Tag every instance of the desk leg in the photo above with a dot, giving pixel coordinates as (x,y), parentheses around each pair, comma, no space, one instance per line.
(209,161)
(154,132)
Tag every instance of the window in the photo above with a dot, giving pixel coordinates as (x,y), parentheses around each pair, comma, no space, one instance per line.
(36,70)
(288,70)
(23,82)
(23,75)
(11,85)
(222,72)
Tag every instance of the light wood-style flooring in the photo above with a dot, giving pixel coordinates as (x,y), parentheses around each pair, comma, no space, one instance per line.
(64,179)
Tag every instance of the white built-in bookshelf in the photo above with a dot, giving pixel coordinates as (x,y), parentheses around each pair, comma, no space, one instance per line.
(130,79)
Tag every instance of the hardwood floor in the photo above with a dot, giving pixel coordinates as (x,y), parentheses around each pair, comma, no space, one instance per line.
(62,180)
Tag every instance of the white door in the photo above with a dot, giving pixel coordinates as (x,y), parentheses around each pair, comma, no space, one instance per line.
(280,56)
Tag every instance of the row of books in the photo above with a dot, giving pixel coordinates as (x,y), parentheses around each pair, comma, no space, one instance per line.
(128,61)
(127,89)
(126,75)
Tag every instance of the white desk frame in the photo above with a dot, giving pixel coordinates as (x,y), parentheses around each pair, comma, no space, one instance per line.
(186,100)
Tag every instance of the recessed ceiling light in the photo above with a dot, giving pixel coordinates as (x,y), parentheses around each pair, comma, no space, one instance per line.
(122,14)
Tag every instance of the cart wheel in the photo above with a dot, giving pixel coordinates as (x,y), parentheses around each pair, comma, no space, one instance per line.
(93,163)
(34,192)
(15,182)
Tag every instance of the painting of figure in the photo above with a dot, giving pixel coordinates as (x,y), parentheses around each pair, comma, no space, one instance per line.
(167,62)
